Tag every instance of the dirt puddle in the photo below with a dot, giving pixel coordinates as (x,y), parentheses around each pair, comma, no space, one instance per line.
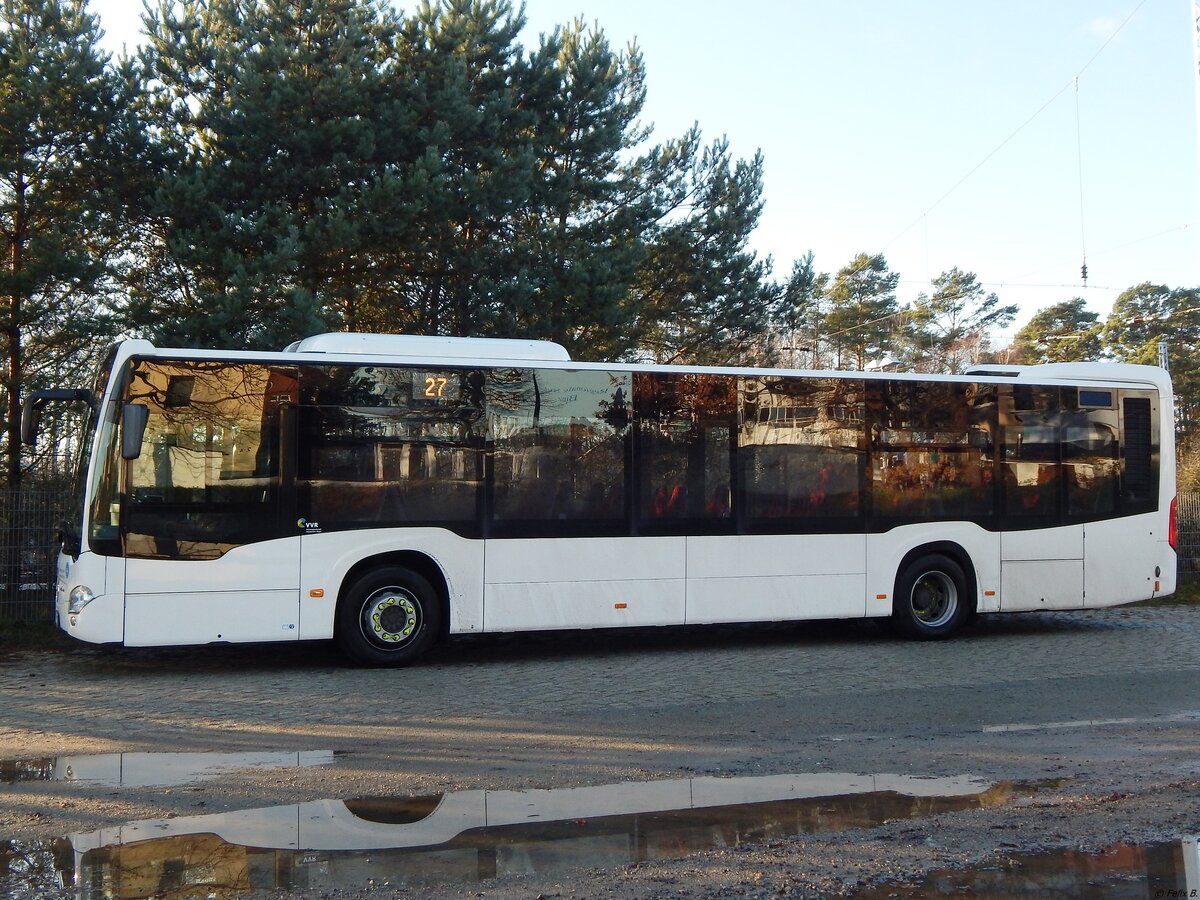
(1162,871)
(467,837)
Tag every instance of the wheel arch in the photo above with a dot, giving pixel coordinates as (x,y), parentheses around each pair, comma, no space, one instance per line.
(421,563)
(954,551)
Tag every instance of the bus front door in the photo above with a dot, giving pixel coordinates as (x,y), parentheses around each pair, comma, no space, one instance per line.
(211,545)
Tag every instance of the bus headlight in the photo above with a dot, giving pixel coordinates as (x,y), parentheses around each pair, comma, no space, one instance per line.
(81,595)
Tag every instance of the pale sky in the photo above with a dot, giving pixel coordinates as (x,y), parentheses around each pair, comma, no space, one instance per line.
(939,132)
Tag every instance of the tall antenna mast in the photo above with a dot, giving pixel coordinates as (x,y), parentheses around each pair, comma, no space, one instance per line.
(1196,59)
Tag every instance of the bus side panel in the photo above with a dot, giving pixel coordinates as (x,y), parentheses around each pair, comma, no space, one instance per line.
(887,550)
(206,617)
(583,583)
(1042,569)
(327,557)
(248,594)
(775,577)
(1120,557)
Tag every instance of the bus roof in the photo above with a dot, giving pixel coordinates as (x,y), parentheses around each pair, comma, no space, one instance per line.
(1077,371)
(365,349)
(424,346)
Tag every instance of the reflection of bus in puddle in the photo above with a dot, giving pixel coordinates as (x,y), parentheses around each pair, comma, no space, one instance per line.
(468,836)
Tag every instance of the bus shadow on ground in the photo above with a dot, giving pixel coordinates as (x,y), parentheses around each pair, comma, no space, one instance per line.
(481,648)
(566,644)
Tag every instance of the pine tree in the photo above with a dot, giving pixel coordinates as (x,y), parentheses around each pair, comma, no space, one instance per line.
(71,148)
(1064,332)
(801,314)
(951,325)
(1146,315)
(863,311)
(334,166)
(281,195)
(582,236)
(707,297)
(473,97)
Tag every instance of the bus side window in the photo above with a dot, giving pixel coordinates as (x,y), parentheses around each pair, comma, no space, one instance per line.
(390,445)
(1031,456)
(1090,461)
(558,450)
(799,451)
(931,443)
(683,447)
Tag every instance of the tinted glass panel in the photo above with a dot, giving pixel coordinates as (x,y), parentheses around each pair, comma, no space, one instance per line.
(1139,488)
(799,448)
(932,450)
(207,478)
(559,449)
(386,445)
(1030,466)
(1090,459)
(104,514)
(104,537)
(1096,398)
(685,428)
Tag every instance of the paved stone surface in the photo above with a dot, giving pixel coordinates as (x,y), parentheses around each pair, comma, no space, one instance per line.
(847,676)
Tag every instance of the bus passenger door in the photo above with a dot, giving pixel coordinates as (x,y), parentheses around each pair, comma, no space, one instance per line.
(1041,562)
(212,551)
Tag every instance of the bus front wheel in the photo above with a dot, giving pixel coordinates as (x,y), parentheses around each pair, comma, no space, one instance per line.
(388,617)
(931,598)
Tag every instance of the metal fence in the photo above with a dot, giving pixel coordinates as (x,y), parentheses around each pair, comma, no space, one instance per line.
(28,549)
(29,546)
(1187,513)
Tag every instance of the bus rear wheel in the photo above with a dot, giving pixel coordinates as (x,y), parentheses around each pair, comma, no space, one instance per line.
(931,599)
(388,617)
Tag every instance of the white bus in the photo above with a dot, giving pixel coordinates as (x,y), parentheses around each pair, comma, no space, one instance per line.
(385,491)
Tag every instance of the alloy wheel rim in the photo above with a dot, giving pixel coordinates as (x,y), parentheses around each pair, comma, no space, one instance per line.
(390,617)
(934,599)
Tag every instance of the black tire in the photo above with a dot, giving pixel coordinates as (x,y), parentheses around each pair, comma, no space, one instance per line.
(932,599)
(388,617)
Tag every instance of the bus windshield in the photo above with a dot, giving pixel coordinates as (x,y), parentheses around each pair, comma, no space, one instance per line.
(71,525)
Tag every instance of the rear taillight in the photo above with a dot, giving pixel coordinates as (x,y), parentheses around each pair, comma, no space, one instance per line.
(1173,527)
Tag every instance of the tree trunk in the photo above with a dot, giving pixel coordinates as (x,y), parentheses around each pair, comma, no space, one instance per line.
(10,559)
(12,331)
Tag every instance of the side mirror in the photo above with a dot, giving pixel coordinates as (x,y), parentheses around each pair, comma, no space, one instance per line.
(31,408)
(31,417)
(134,417)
